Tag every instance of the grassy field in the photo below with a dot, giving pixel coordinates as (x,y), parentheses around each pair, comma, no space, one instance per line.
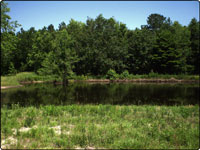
(100,126)
(13,80)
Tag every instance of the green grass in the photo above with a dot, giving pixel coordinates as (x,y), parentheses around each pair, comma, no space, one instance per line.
(9,80)
(101,126)
(13,80)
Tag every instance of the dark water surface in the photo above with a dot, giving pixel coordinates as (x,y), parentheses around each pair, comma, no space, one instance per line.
(112,93)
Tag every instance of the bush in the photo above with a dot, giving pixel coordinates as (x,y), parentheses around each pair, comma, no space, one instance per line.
(12,70)
(111,74)
(153,74)
(81,77)
(125,75)
(71,75)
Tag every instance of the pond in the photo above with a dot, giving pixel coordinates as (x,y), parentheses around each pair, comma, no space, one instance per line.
(95,93)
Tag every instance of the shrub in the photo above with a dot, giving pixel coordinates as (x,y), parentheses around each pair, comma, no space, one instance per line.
(81,77)
(71,75)
(153,74)
(12,70)
(125,75)
(111,74)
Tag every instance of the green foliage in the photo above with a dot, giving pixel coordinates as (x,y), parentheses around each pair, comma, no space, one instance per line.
(6,24)
(194,56)
(12,69)
(8,41)
(59,61)
(171,50)
(140,45)
(42,45)
(153,75)
(155,21)
(25,48)
(111,74)
(81,77)
(125,75)
(8,49)
(94,47)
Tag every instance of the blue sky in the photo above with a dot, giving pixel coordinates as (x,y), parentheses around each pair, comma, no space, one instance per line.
(133,13)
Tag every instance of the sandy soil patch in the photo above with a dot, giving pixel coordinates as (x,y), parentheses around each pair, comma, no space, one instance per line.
(7,142)
(57,129)
(23,129)
(89,147)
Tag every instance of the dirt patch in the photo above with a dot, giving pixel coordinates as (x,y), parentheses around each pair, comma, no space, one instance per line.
(57,129)
(97,80)
(98,125)
(171,80)
(8,142)
(23,129)
(78,147)
(88,147)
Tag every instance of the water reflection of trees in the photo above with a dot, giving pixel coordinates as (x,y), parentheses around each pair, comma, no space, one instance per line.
(83,93)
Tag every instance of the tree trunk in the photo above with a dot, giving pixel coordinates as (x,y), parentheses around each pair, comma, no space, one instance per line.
(65,81)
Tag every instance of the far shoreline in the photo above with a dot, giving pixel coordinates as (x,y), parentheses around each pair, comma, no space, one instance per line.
(141,80)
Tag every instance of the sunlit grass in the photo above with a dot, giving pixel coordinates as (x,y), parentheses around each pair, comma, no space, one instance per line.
(101,126)
(9,80)
(13,80)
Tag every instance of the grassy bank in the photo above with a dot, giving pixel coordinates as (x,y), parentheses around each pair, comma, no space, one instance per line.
(14,80)
(100,126)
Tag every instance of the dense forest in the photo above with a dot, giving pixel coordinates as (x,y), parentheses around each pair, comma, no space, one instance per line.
(93,48)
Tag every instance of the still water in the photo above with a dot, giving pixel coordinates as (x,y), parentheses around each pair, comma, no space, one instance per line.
(111,93)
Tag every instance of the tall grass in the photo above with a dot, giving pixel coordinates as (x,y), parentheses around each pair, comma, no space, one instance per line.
(102,126)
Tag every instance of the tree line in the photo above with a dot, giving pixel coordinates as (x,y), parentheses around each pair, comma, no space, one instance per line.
(93,48)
